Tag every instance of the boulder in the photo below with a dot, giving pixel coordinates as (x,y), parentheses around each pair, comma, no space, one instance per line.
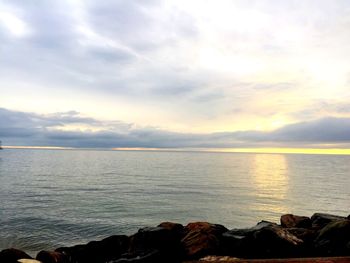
(242,232)
(11,255)
(265,240)
(102,251)
(237,242)
(176,228)
(290,220)
(202,239)
(319,220)
(276,242)
(150,239)
(51,257)
(304,234)
(334,239)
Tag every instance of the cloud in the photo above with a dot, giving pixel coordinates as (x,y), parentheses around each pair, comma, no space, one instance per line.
(187,64)
(20,128)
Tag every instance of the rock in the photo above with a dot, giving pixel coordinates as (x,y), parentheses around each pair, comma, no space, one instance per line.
(307,235)
(265,240)
(319,220)
(11,255)
(239,233)
(202,239)
(176,228)
(237,242)
(102,251)
(150,239)
(275,241)
(334,239)
(51,257)
(290,220)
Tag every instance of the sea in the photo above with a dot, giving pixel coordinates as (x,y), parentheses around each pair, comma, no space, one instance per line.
(53,198)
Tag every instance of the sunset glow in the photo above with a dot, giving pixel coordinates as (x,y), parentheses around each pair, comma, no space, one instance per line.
(167,74)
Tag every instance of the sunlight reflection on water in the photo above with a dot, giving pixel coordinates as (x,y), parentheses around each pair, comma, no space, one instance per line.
(270,177)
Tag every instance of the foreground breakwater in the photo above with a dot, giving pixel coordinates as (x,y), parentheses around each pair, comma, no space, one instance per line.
(322,235)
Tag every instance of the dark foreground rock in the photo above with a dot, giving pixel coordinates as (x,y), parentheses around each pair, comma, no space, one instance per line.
(51,257)
(102,251)
(160,242)
(319,220)
(265,240)
(11,255)
(334,239)
(322,235)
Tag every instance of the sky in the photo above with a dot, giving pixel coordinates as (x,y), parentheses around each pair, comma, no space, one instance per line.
(175,74)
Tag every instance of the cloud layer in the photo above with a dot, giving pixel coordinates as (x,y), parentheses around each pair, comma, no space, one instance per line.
(186,67)
(19,128)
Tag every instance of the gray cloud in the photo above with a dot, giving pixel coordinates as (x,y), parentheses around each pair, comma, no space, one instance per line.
(154,53)
(20,128)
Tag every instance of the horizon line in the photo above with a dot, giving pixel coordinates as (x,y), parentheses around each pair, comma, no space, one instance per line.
(269,150)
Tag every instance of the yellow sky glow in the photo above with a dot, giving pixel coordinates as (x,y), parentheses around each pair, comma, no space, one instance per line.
(332,151)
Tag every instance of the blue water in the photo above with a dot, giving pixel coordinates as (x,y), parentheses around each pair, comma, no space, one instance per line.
(51,198)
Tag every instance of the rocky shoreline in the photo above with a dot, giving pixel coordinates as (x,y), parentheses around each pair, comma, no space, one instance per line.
(322,235)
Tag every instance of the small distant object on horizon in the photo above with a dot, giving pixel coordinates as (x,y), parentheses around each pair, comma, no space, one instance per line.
(0,146)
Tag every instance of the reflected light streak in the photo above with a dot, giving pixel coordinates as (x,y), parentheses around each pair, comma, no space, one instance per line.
(269,174)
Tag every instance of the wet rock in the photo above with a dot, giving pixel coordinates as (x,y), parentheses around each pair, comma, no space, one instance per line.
(102,251)
(176,228)
(334,239)
(290,220)
(203,239)
(305,234)
(11,255)
(239,233)
(51,257)
(275,241)
(265,240)
(161,239)
(319,220)
(237,242)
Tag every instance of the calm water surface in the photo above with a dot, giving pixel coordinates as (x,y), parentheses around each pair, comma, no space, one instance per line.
(51,198)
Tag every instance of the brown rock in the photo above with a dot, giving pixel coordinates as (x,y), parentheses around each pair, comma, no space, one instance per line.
(11,255)
(290,220)
(202,239)
(51,257)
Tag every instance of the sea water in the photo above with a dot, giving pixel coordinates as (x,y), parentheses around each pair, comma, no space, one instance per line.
(52,198)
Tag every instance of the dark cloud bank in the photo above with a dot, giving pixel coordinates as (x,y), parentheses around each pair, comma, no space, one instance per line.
(29,129)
